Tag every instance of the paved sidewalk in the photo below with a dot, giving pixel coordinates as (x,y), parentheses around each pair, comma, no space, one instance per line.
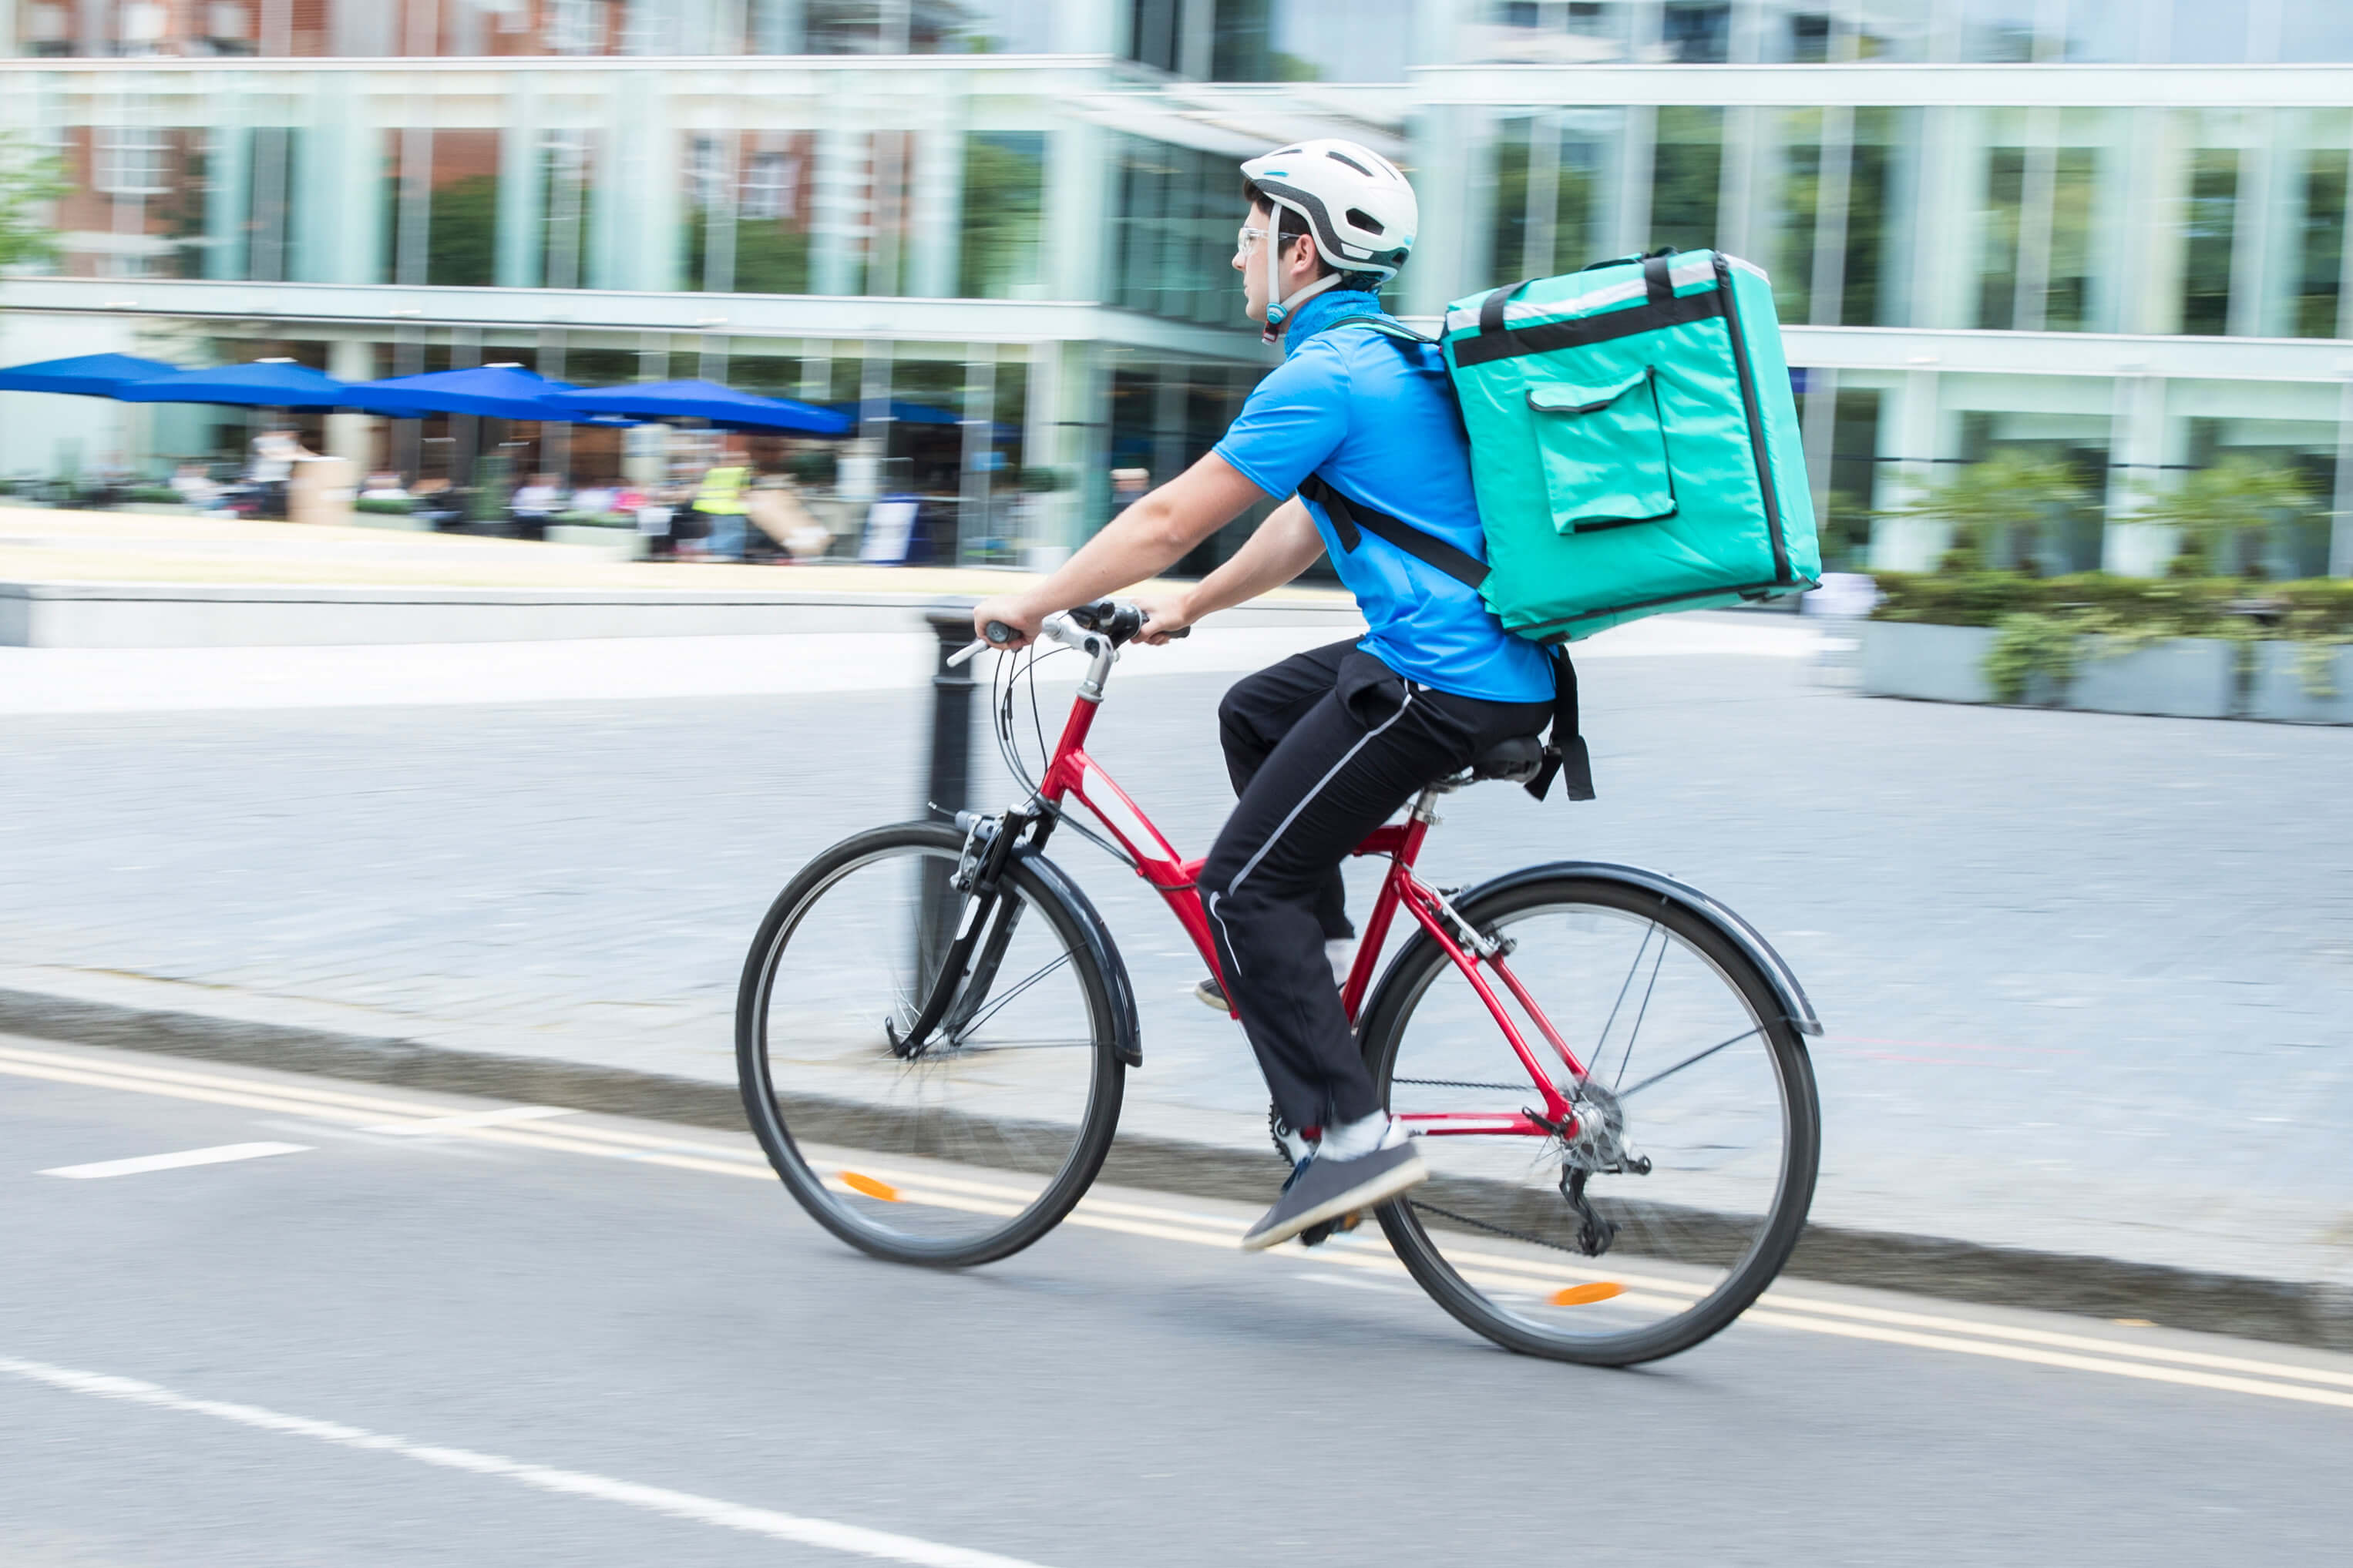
(2087,977)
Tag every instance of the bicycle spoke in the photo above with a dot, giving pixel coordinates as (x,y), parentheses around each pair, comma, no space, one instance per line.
(1636,1032)
(999,1005)
(1601,1042)
(1698,1056)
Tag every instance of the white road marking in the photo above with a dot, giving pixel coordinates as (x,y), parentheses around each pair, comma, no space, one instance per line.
(471,1118)
(851,1537)
(1354,1284)
(221,1155)
(1780,1307)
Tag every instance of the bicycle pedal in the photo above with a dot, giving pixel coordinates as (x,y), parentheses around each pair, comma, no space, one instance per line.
(1317,1234)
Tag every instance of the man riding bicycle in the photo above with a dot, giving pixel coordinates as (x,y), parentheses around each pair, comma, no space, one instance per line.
(1326,745)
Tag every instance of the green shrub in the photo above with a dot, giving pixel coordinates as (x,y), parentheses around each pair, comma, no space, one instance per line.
(153,494)
(394,506)
(2028,643)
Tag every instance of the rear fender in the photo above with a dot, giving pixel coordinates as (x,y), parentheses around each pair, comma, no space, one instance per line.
(1795,1005)
(1096,935)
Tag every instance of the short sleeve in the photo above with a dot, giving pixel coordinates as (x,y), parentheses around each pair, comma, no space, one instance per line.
(1291,423)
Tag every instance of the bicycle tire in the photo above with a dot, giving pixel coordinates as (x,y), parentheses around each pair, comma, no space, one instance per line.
(1423,1253)
(775,1110)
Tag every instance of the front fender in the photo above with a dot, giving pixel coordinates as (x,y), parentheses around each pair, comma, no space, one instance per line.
(1129,1033)
(1795,1005)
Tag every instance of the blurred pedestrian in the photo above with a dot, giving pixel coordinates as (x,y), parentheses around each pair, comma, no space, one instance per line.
(271,467)
(533,505)
(720,498)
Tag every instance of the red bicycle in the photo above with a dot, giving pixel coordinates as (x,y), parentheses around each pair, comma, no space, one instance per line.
(1606,1066)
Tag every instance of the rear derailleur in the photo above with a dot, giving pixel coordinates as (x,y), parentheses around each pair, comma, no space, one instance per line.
(1596,1147)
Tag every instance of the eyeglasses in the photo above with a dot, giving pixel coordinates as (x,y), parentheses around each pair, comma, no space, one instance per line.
(1247,236)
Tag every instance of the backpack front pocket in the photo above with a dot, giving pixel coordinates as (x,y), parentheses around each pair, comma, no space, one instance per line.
(1604,451)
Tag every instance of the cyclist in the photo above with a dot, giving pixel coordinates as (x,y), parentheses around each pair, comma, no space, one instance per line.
(1324,746)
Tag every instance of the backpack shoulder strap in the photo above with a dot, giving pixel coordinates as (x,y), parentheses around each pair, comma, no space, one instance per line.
(1353,519)
(1565,756)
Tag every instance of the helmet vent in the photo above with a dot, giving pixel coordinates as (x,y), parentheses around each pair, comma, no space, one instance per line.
(1344,158)
(1359,218)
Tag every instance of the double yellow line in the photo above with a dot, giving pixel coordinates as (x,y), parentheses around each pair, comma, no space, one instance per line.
(1783,1307)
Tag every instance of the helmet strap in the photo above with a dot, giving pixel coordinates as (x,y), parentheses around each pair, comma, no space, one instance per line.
(1277,312)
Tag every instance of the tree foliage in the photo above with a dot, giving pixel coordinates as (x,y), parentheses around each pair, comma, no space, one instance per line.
(29,181)
(2225,513)
(2000,509)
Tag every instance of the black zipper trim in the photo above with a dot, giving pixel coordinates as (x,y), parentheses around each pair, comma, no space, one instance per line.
(1756,419)
(1541,630)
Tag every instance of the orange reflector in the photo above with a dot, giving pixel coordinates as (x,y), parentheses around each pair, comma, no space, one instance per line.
(1585,1295)
(890,1195)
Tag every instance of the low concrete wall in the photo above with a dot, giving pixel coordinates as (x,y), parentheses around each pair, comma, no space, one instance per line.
(619,544)
(1935,664)
(2279,692)
(2182,678)
(154,615)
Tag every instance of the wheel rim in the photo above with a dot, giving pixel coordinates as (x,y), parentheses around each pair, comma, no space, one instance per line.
(947,1152)
(1682,1054)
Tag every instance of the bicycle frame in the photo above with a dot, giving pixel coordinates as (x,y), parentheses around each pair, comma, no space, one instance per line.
(1073,775)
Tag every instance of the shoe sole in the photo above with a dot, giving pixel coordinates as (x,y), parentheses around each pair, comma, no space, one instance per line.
(1372,1194)
(1201,994)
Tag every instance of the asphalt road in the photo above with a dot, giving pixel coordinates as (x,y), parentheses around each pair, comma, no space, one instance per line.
(583,1340)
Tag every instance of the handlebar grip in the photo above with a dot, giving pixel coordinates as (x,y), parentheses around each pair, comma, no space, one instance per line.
(998,632)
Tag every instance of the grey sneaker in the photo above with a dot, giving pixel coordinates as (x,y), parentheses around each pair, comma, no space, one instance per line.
(1210,993)
(1321,1190)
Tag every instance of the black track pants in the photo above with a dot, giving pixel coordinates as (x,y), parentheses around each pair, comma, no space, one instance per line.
(1322,748)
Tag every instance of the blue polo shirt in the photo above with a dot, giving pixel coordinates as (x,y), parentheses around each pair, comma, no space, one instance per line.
(1375,417)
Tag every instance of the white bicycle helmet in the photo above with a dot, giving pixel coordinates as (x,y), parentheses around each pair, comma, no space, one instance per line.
(1360,212)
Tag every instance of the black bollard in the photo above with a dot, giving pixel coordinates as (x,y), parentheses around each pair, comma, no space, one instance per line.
(948,786)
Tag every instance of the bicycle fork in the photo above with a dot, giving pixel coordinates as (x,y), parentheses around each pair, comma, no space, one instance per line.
(973,906)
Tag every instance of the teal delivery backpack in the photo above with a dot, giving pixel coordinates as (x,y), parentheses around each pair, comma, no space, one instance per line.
(1634,444)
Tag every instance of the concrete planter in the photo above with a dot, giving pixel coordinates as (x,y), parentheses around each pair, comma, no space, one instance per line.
(2184,678)
(620,543)
(1934,664)
(2279,694)
(2181,678)
(398,521)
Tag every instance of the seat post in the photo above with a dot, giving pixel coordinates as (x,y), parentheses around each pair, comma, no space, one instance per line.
(1425,806)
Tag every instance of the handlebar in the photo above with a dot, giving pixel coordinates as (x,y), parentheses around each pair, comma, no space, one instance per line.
(1117,619)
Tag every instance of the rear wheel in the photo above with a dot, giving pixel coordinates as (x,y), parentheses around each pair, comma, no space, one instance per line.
(977,1143)
(1560,1248)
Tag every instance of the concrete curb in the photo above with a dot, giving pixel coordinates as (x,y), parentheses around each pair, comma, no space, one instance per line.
(2288,1311)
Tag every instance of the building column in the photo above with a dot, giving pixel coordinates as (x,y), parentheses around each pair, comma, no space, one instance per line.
(838,216)
(1914,435)
(2252,230)
(2136,462)
(520,202)
(1450,256)
(976,482)
(1079,192)
(228,194)
(351,437)
(1944,270)
(1637,158)
(935,195)
(2340,522)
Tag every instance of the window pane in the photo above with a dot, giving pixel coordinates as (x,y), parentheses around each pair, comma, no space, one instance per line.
(1998,30)
(2003,211)
(567,194)
(1004,198)
(2105,31)
(1687,173)
(1695,32)
(1570,32)
(2208,32)
(2074,196)
(2210,225)
(462,227)
(1880,135)
(2322,274)
(1797,212)
(2316,33)
(1513,142)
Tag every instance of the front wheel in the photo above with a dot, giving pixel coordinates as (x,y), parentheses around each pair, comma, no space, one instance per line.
(1661,1229)
(976,1141)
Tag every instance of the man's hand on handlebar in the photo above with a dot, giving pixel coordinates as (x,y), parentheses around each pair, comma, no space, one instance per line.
(1167,614)
(1005,613)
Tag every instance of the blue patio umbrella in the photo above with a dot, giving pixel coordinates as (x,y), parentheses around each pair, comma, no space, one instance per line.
(709,400)
(84,375)
(491,391)
(264,383)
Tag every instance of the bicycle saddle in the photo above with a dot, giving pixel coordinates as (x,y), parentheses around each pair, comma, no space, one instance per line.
(1515,760)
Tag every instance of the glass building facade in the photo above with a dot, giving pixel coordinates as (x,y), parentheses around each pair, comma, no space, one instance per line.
(2108,232)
